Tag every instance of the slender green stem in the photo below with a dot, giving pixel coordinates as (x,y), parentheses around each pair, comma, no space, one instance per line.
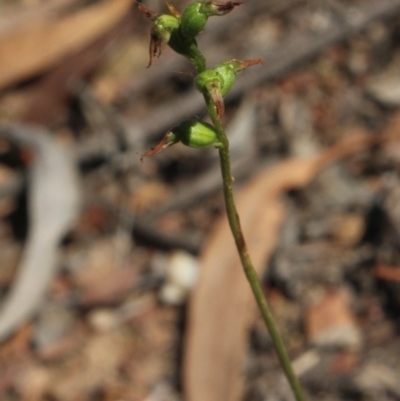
(247,264)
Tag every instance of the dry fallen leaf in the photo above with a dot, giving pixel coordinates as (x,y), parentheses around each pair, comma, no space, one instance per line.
(15,14)
(330,322)
(27,49)
(222,305)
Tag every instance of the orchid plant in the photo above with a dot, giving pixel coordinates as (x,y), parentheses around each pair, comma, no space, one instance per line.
(179,31)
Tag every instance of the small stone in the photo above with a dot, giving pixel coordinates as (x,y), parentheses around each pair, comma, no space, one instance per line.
(348,229)
(386,90)
(181,275)
(183,269)
(103,319)
(172,294)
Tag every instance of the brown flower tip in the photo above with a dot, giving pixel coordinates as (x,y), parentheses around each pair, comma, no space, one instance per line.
(216,95)
(173,10)
(148,13)
(254,61)
(154,48)
(168,140)
(225,8)
(243,64)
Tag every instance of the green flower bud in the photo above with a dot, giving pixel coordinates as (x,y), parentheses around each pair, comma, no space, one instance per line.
(163,27)
(229,69)
(192,133)
(195,15)
(218,81)
(196,134)
(193,20)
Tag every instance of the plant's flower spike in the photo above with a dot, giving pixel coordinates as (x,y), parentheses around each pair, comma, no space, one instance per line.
(196,14)
(173,10)
(196,134)
(168,140)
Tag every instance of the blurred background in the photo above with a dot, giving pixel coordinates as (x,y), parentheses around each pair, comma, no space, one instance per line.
(119,279)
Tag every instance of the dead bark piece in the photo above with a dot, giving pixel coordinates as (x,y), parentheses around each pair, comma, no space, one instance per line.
(222,305)
(53,204)
(31,48)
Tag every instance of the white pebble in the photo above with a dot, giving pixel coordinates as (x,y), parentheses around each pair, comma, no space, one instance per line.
(181,276)
(172,294)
